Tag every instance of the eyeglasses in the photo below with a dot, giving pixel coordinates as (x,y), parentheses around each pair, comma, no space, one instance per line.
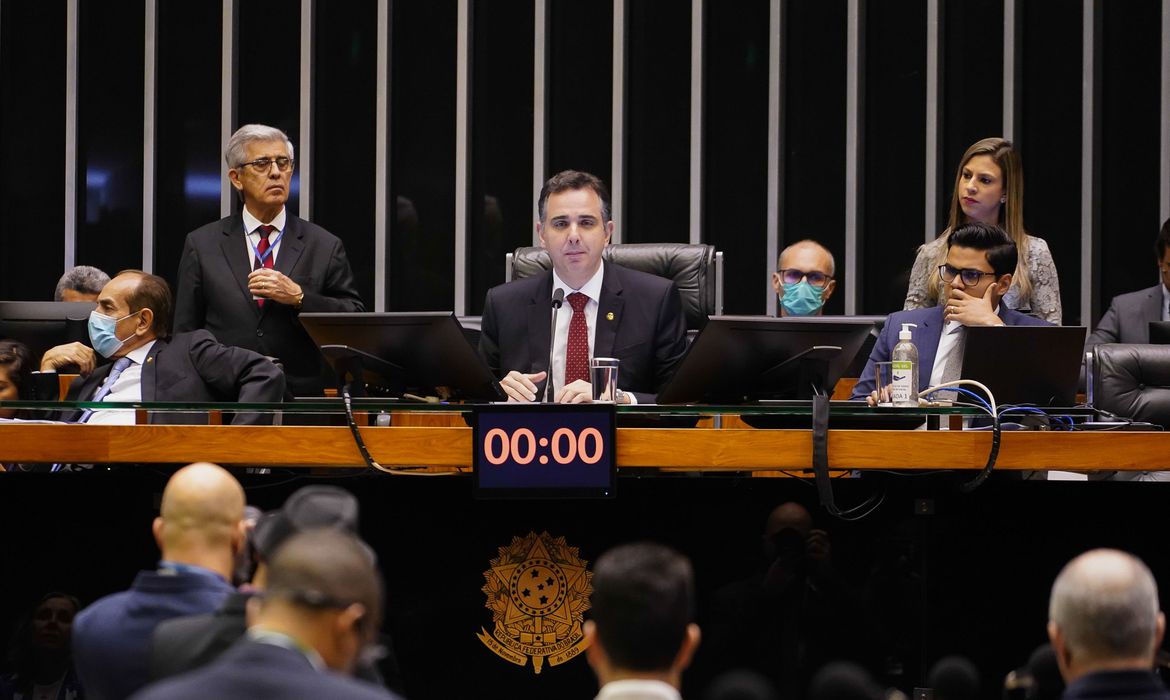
(793,276)
(969,276)
(263,165)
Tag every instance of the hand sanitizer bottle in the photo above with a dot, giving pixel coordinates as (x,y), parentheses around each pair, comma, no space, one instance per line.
(904,361)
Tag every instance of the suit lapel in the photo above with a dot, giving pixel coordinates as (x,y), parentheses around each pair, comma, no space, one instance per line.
(926,338)
(149,378)
(539,318)
(1151,311)
(292,244)
(609,313)
(237,257)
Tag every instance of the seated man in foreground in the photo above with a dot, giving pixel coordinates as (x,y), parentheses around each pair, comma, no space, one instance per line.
(132,326)
(980,261)
(609,310)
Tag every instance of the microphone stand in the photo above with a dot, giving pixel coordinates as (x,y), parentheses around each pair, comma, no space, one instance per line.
(558,298)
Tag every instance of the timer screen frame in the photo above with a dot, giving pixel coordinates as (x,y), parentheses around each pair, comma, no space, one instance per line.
(545,451)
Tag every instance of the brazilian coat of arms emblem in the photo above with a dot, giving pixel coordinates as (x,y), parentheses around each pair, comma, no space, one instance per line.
(538,591)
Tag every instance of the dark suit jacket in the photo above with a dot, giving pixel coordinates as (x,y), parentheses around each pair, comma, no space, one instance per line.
(926,337)
(1128,318)
(1117,685)
(194,367)
(253,669)
(212,293)
(111,638)
(647,333)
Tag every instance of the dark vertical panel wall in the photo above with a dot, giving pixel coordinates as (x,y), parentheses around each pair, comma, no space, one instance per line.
(735,148)
(658,103)
(344,157)
(32,148)
(1132,84)
(268,73)
(1050,136)
(579,47)
(502,210)
(188,152)
(894,153)
(972,95)
(422,164)
(109,134)
(814,129)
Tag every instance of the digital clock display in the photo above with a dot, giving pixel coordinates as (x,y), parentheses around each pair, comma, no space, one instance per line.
(544,451)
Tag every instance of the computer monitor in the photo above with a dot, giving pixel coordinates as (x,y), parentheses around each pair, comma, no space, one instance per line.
(408,352)
(44,324)
(737,359)
(1160,332)
(1026,364)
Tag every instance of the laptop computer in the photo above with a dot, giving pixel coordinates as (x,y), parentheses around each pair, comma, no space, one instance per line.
(1026,364)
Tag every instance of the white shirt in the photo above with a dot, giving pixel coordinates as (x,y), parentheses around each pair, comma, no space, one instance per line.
(1165,303)
(591,289)
(127,388)
(637,689)
(252,237)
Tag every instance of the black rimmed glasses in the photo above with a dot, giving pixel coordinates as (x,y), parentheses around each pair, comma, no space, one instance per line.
(793,276)
(969,275)
(263,165)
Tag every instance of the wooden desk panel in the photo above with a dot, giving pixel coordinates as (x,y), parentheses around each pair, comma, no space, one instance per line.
(707,450)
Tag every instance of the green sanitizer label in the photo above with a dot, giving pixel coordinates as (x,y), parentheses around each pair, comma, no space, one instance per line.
(902,385)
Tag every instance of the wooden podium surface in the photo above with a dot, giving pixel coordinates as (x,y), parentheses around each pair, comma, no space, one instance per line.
(702,449)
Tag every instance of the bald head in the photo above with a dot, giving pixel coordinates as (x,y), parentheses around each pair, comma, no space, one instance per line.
(788,515)
(1104,613)
(201,519)
(808,255)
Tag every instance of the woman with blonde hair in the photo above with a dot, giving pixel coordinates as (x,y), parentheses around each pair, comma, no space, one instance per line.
(989,187)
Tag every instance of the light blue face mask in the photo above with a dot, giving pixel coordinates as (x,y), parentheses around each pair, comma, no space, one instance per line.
(802,299)
(103,334)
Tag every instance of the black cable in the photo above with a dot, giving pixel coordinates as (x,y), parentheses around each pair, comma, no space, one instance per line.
(347,400)
(982,475)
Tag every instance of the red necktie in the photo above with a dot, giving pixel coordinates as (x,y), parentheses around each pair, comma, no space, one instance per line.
(577,350)
(265,231)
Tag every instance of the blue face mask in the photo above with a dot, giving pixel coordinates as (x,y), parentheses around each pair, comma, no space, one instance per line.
(802,299)
(103,334)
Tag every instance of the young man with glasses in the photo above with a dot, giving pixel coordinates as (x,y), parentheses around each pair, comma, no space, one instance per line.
(803,279)
(977,273)
(246,277)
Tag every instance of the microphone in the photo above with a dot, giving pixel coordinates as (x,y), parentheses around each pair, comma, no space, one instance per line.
(558,298)
(954,678)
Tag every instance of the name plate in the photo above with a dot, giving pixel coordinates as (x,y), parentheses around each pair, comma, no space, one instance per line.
(544,451)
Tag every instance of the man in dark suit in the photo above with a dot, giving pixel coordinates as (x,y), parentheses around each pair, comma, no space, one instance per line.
(608,310)
(980,261)
(1106,627)
(642,635)
(322,606)
(199,530)
(246,277)
(1128,318)
(132,326)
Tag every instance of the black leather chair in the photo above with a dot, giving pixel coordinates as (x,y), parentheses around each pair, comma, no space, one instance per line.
(696,270)
(1132,381)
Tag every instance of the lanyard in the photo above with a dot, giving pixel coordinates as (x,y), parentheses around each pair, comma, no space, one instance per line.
(256,249)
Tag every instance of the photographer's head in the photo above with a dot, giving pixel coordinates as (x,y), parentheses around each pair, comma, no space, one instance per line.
(643,608)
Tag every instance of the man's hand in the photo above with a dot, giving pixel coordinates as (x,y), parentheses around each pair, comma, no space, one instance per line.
(69,354)
(521,387)
(971,311)
(274,285)
(579,391)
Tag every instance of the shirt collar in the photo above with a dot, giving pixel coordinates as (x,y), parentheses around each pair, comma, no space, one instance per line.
(280,639)
(1165,295)
(591,289)
(638,688)
(138,354)
(251,222)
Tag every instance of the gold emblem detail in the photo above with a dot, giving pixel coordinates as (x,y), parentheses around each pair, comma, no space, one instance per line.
(538,591)
(609,316)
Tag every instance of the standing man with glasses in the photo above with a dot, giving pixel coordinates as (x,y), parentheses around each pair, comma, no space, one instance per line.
(978,272)
(246,277)
(803,279)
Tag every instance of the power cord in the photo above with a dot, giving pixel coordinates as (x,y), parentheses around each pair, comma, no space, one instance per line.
(995,429)
(371,463)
